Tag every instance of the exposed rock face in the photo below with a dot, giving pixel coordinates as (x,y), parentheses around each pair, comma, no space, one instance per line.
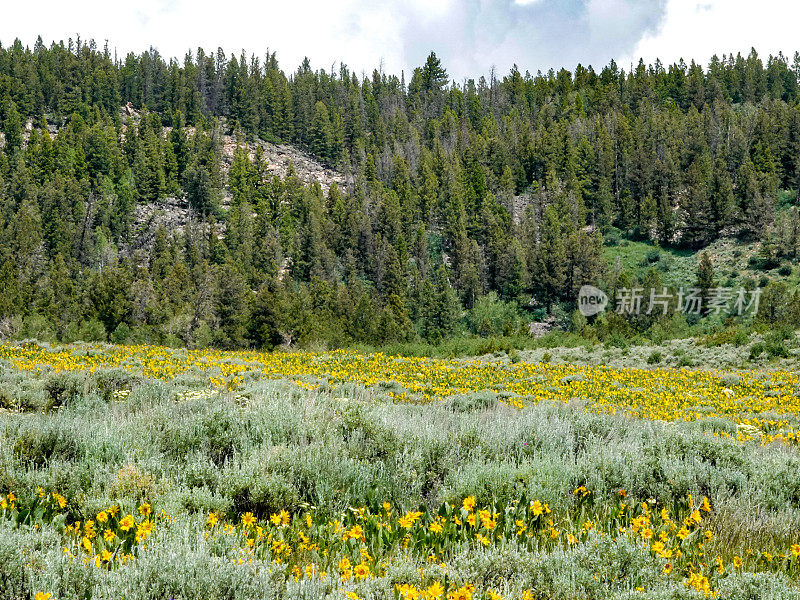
(173,213)
(52,130)
(129,111)
(539,329)
(278,157)
(518,206)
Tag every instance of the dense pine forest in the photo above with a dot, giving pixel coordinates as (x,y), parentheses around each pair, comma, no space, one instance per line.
(463,208)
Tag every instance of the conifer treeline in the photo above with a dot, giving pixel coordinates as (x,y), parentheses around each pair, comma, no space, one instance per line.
(473,196)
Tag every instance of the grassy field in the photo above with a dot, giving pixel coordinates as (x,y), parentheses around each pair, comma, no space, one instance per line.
(734,263)
(143,472)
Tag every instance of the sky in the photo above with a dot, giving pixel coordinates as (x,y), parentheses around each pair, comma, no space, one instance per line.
(470,36)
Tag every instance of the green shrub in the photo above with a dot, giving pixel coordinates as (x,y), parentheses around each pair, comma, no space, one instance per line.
(612,237)
(65,388)
(779,334)
(215,430)
(37,327)
(757,586)
(186,568)
(252,489)
(17,399)
(740,338)
(777,350)
(578,322)
(736,336)
(121,335)
(132,482)
(655,358)
(494,345)
(729,380)
(618,340)
(108,381)
(774,343)
(572,573)
(41,442)
(92,331)
(475,401)
(491,316)
(12,575)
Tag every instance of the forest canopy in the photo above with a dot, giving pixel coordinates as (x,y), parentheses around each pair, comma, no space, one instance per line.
(468,207)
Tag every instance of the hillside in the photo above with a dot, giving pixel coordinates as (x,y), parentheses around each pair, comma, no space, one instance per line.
(175,213)
(177,203)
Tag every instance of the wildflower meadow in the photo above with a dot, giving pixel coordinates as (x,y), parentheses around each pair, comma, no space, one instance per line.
(149,472)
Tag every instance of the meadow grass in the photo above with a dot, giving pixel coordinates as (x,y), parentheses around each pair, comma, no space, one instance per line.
(318,471)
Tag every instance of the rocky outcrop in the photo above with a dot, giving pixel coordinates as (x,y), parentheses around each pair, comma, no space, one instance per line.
(279,157)
(173,213)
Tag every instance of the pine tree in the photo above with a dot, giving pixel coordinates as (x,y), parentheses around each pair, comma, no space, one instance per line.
(9,299)
(441,308)
(721,199)
(433,76)
(336,140)
(549,269)
(263,327)
(27,239)
(232,306)
(321,134)
(435,174)
(705,277)
(585,263)
(665,220)
(11,125)
(202,184)
(394,324)
(393,282)
(242,178)
(699,226)
(148,166)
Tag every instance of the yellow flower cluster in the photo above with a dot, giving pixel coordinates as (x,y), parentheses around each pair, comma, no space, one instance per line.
(8,502)
(311,546)
(41,508)
(111,537)
(665,394)
(362,542)
(435,591)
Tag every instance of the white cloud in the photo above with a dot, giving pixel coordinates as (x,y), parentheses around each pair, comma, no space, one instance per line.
(698,30)
(469,35)
(613,18)
(324,31)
